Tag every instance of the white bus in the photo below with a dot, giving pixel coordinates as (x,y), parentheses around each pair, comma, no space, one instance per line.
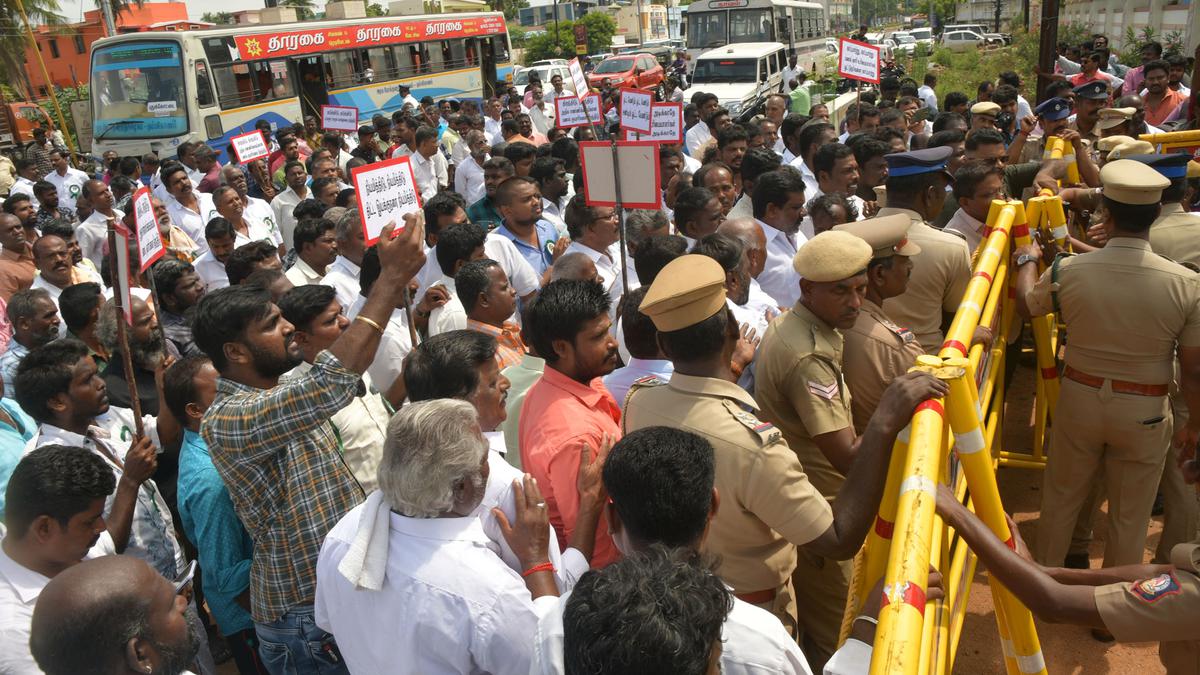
(800,26)
(152,91)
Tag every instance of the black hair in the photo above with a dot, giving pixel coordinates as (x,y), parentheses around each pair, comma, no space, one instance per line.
(169,169)
(655,253)
(886,117)
(1004,94)
(59,228)
(304,303)
(10,204)
(456,243)
(447,365)
(58,481)
(504,193)
(636,471)
(223,316)
(1058,88)
(759,161)
(775,188)
(179,384)
(791,124)
(731,134)
(44,373)
(424,133)
(43,187)
(983,137)
(578,215)
(219,227)
(946,137)
(243,260)
(566,149)
(444,203)
(970,175)
(309,230)
(545,168)
(656,611)
(867,148)
(689,203)
(724,249)
(320,184)
(943,121)
(1157,64)
(811,133)
(500,163)
(699,340)
(1010,78)
(560,311)
(345,198)
(701,98)
(167,273)
(1131,217)
(77,303)
(472,279)
(983,86)
(953,99)
(828,155)
(519,151)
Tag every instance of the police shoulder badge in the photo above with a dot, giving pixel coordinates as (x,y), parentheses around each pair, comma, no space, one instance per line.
(1154,589)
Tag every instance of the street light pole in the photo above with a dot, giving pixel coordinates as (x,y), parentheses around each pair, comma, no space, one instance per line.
(641,30)
(557,44)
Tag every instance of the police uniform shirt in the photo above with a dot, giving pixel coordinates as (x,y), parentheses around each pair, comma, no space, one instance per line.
(939,280)
(1165,608)
(877,351)
(800,387)
(1176,234)
(768,504)
(1125,307)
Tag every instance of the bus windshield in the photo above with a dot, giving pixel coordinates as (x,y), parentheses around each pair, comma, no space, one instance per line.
(138,91)
(706,30)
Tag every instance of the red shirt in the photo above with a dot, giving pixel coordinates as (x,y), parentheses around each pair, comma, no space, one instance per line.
(559,414)
(1157,114)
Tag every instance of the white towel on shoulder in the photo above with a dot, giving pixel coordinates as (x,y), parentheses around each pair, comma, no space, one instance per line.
(365,564)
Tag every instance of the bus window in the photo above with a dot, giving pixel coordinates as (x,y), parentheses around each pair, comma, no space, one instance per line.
(707,29)
(383,62)
(139,90)
(455,53)
(402,57)
(500,49)
(750,25)
(342,70)
(242,84)
(204,94)
(783,25)
(435,56)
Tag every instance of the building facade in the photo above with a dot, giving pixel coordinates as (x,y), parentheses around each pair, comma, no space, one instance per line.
(1112,17)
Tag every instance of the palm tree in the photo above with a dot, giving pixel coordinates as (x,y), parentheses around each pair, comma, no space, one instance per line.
(304,8)
(14,38)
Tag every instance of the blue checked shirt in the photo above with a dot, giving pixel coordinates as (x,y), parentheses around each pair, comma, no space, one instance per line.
(277,453)
(223,544)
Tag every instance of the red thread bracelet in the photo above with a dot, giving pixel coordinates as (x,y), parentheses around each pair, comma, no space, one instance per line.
(543,567)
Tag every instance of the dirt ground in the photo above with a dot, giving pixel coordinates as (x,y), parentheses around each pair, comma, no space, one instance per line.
(1067,649)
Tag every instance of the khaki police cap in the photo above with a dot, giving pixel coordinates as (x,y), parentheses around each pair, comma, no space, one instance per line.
(986,108)
(832,256)
(1113,117)
(1193,169)
(1129,149)
(888,236)
(688,290)
(1107,143)
(1131,182)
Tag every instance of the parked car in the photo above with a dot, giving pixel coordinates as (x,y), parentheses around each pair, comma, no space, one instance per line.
(996,39)
(545,72)
(924,37)
(906,44)
(962,40)
(886,46)
(742,75)
(635,71)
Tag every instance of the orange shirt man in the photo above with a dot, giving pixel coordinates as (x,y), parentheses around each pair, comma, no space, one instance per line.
(16,260)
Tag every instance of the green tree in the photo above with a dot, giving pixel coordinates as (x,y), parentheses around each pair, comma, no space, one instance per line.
(545,46)
(219,18)
(600,30)
(304,8)
(516,35)
(376,9)
(13,42)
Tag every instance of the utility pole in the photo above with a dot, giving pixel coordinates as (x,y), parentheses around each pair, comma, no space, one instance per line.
(1048,45)
(999,9)
(641,29)
(557,45)
(62,121)
(110,22)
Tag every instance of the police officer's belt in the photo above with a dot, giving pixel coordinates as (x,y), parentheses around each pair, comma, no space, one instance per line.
(1118,386)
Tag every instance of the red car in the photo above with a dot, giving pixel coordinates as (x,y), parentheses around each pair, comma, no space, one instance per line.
(634,71)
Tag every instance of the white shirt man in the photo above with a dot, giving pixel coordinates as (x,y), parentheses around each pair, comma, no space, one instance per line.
(491,127)
(211,271)
(790,73)
(811,187)
(450,316)
(696,138)
(431,173)
(966,226)
(468,180)
(778,278)
(608,268)
(19,591)
(69,186)
(395,344)
(24,186)
(259,211)
(282,206)
(542,117)
(193,222)
(552,213)
(302,274)
(255,231)
(92,235)
(159,190)
(342,276)
(521,276)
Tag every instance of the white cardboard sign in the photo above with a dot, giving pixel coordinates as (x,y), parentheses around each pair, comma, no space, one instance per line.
(858,61)
(250,146)
(638,169)
(149,238)
(339,118)
(578,78)
(635,109)
(122,261)
(386,192)
(570,112)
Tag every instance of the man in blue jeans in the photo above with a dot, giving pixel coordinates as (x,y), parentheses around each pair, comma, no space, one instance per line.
(274,448)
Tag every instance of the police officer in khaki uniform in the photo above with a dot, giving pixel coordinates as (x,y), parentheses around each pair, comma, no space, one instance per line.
(916,187)
(801,388)
(877,350)
(1126,309)
(1115,122)
(768,505)
(1146,602)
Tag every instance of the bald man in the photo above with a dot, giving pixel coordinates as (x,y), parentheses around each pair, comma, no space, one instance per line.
(92,233)
(747,231)
(113,615)
(574,266)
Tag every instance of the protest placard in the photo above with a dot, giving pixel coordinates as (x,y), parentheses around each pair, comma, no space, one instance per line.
(150,243)
(666,122)
(385,191)
(635,109)
(638,169)
(570,112)
(339,118)
(578,78)
(858,61)
(121,253)
(250,146)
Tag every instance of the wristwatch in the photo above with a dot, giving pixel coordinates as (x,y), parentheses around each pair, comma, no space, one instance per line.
(1025,258)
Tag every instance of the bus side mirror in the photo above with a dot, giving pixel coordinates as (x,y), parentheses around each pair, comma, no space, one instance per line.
(213,127)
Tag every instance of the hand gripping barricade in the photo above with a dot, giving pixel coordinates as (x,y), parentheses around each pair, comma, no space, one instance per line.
(916,636)
(1057,148)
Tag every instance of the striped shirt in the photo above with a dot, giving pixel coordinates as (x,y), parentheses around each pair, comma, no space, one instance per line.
(510,349)
(277,453)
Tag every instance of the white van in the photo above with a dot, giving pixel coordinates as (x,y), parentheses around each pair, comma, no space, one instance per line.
(742,75)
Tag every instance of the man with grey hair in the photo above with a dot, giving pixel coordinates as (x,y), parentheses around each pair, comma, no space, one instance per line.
(145,351)
(468,174)
(754,243)
(34,319)
(574,266)
(640,225)
(342,274)
(419,532)
(256,211)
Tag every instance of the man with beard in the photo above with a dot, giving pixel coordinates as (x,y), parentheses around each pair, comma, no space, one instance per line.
(732,144)
(190,210)
(52,523)
(485,212)
(718,179)
(55,272)
(537,241)
(35,322)
(24,207)
(48,205)
(274,447)
(778,202)
(254,210)
(569,328)
(179,289)
(113,615)
(145,351)
(837,171)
